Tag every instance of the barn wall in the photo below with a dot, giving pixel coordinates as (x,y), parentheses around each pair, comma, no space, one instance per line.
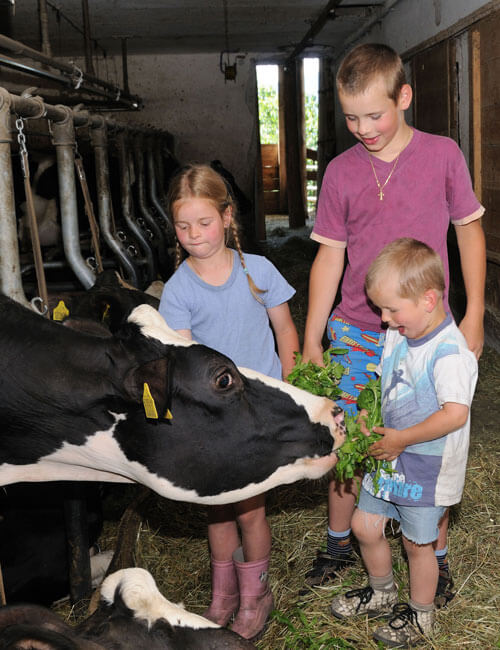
(209,118)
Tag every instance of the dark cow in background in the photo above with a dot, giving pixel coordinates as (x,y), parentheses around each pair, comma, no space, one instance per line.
(33,538)
(132,615)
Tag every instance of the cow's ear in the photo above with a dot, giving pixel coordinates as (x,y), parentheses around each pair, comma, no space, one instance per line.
(151,385)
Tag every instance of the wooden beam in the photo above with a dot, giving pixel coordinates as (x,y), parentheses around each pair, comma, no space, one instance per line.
(294,149)
(476,112)
(327,13)
(282,142)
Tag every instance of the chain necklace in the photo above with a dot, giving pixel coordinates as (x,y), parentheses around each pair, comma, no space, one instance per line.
(381,187)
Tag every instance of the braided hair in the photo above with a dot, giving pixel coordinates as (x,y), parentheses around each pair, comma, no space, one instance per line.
(198,181)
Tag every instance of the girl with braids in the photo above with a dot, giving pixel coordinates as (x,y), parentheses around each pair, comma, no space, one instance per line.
(229,300)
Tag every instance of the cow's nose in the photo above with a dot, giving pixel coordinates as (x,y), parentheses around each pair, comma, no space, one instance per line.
(338,416)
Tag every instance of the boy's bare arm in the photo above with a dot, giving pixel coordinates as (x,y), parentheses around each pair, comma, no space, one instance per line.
(450,417)
(472,247)
(324,278)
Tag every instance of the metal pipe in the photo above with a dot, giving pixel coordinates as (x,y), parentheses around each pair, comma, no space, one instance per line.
(44,74)
(161,244)
(152,173)
(61,264)
(127,205)
(10,269)
(20,49)
(380,13)
(99,141)
(44,27)
(160,151)
(89,66)
(326,14)
(26,106)
(63,139)
(125,64)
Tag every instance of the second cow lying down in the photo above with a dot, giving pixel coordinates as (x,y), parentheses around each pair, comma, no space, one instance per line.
(132,615)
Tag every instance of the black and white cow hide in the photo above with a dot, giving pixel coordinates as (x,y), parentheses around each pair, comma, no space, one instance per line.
(132,615)
(81,407)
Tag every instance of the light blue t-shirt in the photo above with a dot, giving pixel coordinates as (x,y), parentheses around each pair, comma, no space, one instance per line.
(228,318)
(418,377)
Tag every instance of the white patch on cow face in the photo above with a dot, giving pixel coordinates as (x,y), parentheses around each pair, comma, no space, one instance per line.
(140,594)
(153,326)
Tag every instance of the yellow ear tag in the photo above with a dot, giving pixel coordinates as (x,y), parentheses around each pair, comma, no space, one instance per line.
(149,403)
(168,415)
(105,314)
(60,312)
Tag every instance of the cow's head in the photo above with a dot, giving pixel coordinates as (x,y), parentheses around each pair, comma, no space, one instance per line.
(83,407)
(230,433)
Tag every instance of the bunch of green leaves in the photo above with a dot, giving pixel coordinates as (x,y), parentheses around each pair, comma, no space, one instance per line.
(353,454)
(316,379)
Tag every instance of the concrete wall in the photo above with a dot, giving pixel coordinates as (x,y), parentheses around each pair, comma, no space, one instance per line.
(409,22)
(209,118)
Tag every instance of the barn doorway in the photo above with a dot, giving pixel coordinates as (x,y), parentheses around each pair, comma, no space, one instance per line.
(275,196)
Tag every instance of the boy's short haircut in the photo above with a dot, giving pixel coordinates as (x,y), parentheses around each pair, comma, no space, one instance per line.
(418,267)
(361,65)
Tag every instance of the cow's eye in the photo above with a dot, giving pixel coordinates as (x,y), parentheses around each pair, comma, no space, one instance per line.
(224,380)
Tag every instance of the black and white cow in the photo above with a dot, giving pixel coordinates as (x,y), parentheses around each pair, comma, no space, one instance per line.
(74,408)
(132,615)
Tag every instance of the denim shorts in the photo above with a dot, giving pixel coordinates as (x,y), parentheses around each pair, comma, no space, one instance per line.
(419,524)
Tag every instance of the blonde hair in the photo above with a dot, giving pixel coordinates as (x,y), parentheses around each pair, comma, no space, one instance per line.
(198,181)
(418,266)
(365,62)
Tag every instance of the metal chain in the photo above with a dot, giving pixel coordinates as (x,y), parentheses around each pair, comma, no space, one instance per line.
(21,139)
(78,72)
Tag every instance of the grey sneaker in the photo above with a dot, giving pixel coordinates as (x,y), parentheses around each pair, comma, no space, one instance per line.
(364,601)
(407,627)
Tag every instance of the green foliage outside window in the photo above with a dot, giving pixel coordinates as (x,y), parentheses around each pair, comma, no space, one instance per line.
(269,129)
(268,116)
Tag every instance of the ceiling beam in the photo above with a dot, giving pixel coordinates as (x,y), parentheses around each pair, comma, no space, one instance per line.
(326,14)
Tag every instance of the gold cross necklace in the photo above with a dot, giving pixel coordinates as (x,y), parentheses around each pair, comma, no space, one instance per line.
(381,187)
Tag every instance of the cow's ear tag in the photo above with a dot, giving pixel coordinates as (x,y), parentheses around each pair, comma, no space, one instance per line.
(105,315)
(60,312)
(168,415)
(149,403)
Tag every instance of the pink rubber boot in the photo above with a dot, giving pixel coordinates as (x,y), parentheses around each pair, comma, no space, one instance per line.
(225,595)
(256,598)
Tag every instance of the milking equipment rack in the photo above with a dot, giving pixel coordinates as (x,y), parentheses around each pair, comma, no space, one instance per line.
(133,142)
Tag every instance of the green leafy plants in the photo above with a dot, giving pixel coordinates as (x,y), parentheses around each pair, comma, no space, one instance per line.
(316,379)
(353,454)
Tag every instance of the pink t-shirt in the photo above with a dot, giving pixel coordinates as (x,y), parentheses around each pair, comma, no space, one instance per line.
(430,187)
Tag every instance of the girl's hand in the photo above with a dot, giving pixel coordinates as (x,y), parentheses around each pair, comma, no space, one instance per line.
(363,414)
(389,447)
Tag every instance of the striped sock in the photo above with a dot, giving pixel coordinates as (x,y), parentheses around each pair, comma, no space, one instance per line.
(442,558)
(339,544)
